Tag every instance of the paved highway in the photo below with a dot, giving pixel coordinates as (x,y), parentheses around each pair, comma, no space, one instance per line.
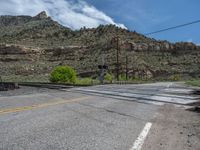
(108,117)
(157,93)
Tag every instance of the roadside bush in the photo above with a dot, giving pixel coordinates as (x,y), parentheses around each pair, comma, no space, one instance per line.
(122,77)
(175,77)
(135,78)
(84,81)
(194,82)
(63,74)
(108,77)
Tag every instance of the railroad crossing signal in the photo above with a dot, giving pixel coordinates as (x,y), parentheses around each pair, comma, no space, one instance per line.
(103,67)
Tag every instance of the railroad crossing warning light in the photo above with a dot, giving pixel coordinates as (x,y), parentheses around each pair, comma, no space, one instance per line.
(103,67)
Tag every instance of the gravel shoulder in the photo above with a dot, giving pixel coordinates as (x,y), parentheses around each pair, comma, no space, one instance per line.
(174,129)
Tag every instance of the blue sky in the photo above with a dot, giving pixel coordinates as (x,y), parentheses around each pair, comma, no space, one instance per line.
(150,15)
(143,16)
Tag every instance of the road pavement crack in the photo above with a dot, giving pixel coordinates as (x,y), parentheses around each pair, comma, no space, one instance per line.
(112,111)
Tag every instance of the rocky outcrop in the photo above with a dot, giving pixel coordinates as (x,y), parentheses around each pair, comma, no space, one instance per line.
(159,46)
(42,15)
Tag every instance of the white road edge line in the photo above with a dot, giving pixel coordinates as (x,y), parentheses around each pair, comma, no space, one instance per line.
(140,140)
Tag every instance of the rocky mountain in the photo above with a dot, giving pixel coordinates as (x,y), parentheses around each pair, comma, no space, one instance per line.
(32,46)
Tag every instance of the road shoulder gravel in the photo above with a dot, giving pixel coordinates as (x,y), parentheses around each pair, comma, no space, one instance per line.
(174,129)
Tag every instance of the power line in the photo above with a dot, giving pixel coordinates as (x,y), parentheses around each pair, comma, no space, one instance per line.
(178,26)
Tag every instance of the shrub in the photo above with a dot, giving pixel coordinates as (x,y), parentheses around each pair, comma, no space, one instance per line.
(63,74)
(135,78)
(84,81)
(108,77)
(122,77)
(194,82)
(175,77)
(87,81)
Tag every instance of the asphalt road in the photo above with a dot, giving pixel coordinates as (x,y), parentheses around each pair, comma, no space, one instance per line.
(157,93)
(83,119)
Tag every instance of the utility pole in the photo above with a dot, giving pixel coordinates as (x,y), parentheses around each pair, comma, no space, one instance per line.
(126,67)
(102,69)
(128,47)
(118,48)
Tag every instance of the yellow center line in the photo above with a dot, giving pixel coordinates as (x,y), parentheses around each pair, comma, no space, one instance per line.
(12,110)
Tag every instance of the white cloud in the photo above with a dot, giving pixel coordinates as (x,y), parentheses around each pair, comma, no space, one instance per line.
(70,13)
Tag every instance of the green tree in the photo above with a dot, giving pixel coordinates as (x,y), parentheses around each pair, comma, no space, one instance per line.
(63,74)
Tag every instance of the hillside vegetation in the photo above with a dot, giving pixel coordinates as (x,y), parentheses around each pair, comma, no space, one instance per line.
(33,46)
